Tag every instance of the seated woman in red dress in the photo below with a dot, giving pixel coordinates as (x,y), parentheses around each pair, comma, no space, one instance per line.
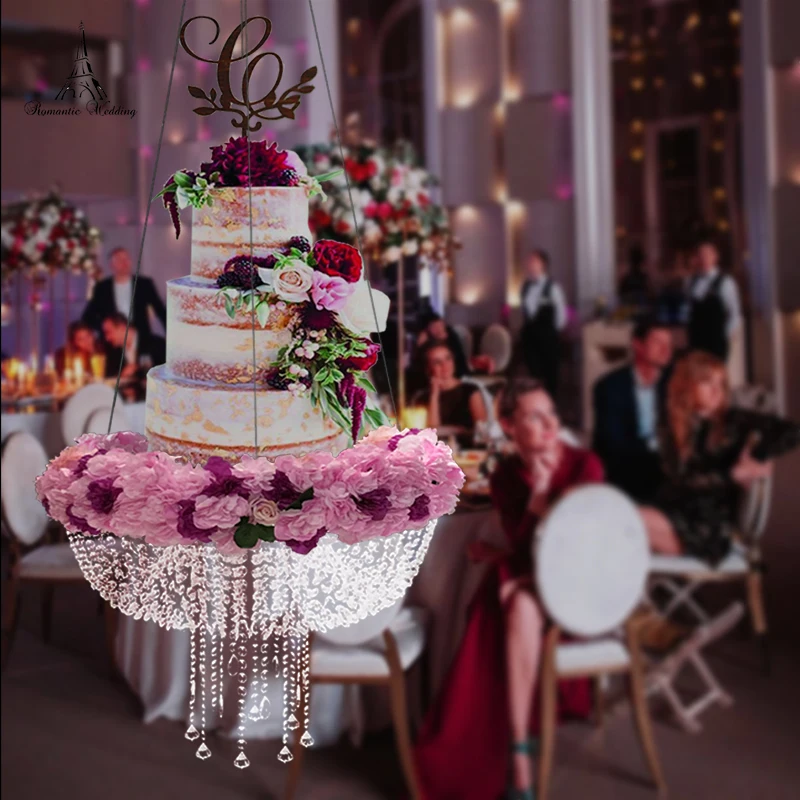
(487,706)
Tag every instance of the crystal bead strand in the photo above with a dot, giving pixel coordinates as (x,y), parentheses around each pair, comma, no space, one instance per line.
(192,732)
(242,635)
(285,754)
(305,683)
(203,752)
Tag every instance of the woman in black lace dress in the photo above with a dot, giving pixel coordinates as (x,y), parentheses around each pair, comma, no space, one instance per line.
(710,453)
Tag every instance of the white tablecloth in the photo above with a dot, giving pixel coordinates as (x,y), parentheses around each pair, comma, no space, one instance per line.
(155,662)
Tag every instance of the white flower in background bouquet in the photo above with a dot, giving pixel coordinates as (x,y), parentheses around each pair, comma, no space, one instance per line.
(395,213)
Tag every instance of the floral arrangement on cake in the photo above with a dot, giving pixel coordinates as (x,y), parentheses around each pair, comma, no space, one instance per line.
(46,233)
(395,212)
(330,312)
(389,482)
(240,162)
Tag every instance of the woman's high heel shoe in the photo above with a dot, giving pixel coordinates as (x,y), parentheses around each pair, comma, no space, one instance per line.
(528,747)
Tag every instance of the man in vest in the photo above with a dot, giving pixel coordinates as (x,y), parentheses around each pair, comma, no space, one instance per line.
(714,311)
(545,313)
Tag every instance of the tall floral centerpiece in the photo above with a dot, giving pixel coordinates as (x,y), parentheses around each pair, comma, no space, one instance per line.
(41,236)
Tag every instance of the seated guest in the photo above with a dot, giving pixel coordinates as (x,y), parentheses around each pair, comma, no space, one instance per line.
(627,411)
(451,402)
(486,708)
(137,353)
(80,345)
(113,296)
(434,329)
(710,453)
(545,312)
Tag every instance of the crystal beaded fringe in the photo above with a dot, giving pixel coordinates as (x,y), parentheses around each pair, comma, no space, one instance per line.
(244,607)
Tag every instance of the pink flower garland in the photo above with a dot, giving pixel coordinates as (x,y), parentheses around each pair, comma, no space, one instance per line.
(389,482)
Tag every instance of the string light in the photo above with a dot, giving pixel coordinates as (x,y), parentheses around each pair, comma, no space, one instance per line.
(698,80)
(719,194)
(637,84)
(354,26)
(718,145)
(637,126)
(620,231)
(692,21)
(735,17)
(637,57)
(637,154)
(722,225)
(719,115)
(658,82)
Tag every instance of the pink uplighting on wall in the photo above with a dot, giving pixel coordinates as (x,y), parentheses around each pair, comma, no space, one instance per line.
(204,133)
(145,151)
(142,3)
(122,219)
(561,102)
(202,67)
(564,191)
(301,47)
(143,64)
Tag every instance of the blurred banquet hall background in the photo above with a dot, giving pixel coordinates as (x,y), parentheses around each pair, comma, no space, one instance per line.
(595,183)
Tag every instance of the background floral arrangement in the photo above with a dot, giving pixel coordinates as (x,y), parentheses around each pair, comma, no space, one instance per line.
(46,233)
(394,209)
(329,310)
(389,482)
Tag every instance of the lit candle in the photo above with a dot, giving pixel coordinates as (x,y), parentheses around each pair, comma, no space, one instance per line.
(79,374)
(49,365)
(415,417)
(22,370)
(34,364)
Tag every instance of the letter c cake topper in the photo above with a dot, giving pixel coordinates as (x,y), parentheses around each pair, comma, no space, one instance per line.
(246,108)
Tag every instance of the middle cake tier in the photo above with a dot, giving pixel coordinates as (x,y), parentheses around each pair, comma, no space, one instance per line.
(205,344)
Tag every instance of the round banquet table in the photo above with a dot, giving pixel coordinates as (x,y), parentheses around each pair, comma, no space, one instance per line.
(155,661)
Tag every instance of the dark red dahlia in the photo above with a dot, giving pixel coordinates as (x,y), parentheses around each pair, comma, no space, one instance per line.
(337,258)
(274,379)
(264,166)
(316,319)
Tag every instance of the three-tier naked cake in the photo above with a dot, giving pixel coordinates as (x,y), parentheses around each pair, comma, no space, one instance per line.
(203,401)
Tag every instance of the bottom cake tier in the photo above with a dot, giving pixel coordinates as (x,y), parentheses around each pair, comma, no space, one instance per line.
(198,420)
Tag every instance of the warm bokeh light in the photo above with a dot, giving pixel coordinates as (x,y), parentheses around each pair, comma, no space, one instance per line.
(698,80)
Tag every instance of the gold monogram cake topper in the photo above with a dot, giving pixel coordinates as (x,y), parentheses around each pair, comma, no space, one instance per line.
(246,108)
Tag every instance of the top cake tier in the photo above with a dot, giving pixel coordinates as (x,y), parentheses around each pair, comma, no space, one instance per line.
(227,227)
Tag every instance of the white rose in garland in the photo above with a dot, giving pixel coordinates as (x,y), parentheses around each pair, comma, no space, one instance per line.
(292,281)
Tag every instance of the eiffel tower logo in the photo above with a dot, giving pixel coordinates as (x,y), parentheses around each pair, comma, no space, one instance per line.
(82,84)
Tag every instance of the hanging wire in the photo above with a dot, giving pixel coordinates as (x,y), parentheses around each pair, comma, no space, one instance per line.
(146,218)
(400,347)
(243,15)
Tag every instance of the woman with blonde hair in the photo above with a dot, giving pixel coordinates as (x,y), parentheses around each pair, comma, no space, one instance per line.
(710,453)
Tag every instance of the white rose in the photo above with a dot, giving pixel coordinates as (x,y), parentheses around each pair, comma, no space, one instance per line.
(394,195)
(410,247)
(357,314)
(392,254)
(292,281)
(264,512)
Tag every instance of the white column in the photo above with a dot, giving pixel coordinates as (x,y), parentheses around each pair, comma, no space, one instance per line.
(592,152)
(320,121)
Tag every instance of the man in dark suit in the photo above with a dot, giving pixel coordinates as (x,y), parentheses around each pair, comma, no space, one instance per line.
(113,296)
(138,353)
(628,406)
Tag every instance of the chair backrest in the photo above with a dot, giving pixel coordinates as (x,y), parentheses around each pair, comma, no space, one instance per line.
(467,342)
(98,420)
(23,460)
(497,343)
(79,408)
(592,556)
(493,429)
(364,630)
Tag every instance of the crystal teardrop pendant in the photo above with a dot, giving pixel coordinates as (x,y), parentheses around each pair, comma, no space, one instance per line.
(285,755)
(292,724)
(306,740)
(191,733)
(203,752)
(241,761)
